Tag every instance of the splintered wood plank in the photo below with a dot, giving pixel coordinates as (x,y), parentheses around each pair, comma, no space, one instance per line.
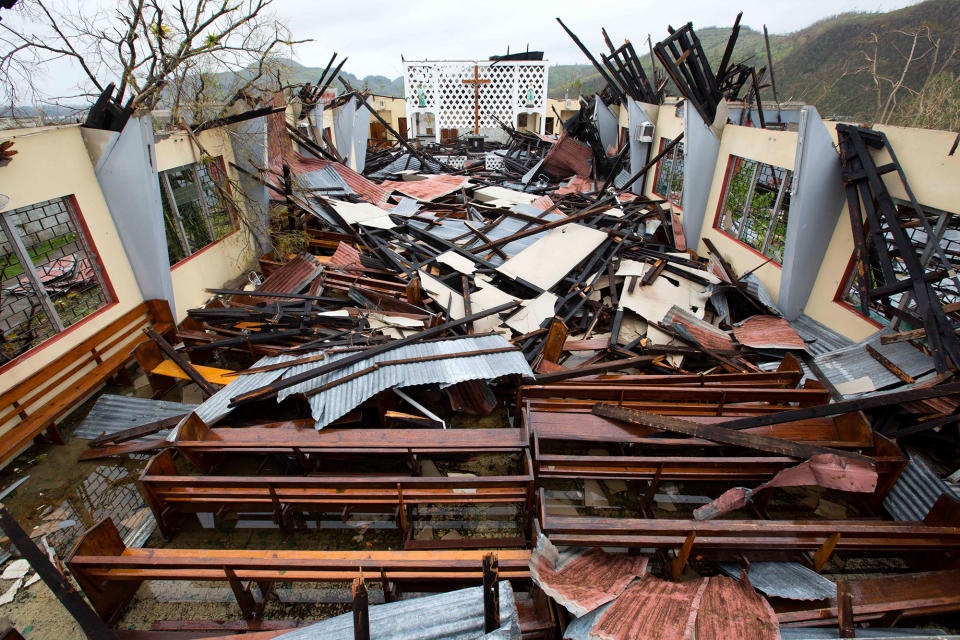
(170,369)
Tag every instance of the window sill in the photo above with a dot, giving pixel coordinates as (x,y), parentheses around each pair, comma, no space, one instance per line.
(176,265)
(743,244)
(26,355)
(852,309)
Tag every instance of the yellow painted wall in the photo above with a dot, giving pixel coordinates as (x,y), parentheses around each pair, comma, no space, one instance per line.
(933,178)
(53,163)
(390,109)
(667,125)
(778,148)
(222,261)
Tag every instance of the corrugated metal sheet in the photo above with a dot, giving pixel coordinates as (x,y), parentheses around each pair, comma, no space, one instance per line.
(427,190)
(455,615)
(292,277)
(337,401)
(582,579)
(819,338)
(767,332)
(112,413)
(789,580)
(404,162)
(326,178)
(345,256)
(731,609)
(718,607)
(370,191)
(697,330)
(579,184)
(915,491)
(568,157)
(853,363)
(215,407)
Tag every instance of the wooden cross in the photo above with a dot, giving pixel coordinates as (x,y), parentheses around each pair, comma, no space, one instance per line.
(476,82)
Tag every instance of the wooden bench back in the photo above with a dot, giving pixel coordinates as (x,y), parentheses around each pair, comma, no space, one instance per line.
(55,389)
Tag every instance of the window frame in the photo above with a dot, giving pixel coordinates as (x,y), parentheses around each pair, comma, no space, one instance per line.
(664,142)
(85,238)
(217,173)
(845,287)
(737,236)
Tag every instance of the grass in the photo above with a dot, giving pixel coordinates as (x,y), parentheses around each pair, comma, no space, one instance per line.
(14,268)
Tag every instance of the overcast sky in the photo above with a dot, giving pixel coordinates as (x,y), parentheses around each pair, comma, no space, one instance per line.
(375,33)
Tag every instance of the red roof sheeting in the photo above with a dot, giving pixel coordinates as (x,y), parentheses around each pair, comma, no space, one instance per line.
(767,332)
(583,583)
(568,157)
(718,608)
(427,190)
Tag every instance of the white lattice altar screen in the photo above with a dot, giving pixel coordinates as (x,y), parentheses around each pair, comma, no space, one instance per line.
(438,87)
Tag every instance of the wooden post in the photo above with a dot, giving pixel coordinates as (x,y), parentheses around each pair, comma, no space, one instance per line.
(70,598)
(491,593)
(845,610)
(361,610)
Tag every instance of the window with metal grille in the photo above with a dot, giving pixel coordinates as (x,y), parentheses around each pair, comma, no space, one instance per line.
(195,213)
(669,181)
(756,200)
(51,277)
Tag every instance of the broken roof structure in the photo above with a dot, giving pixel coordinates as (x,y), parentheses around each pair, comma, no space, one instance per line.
(660,371)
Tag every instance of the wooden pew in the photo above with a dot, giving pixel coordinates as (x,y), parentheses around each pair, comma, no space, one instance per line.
(202,445)
(679,458)
(171,494)
(29,406)
(728,538)
(110,573)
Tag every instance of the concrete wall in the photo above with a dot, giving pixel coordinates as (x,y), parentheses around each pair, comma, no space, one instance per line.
(52,163)
(224,260)
(768,146)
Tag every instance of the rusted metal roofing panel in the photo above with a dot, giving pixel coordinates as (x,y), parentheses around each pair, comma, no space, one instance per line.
(717,608)
(652,608)
(345,256)
(290,278)
(568,157)
(767,332)
(582,579)
(579,184)
(732,609)
(700,332)
(427,190)
(790,580)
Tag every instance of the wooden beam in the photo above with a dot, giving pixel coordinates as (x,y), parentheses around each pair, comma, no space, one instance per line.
(72,600)
(716,433)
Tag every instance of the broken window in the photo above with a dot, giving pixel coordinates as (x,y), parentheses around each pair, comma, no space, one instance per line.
(51,278)
(548,126)
(756,200)
(946,227)
(669,180)
(195,214)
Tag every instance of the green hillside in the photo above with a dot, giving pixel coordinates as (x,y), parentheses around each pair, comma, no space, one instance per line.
(826,64)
